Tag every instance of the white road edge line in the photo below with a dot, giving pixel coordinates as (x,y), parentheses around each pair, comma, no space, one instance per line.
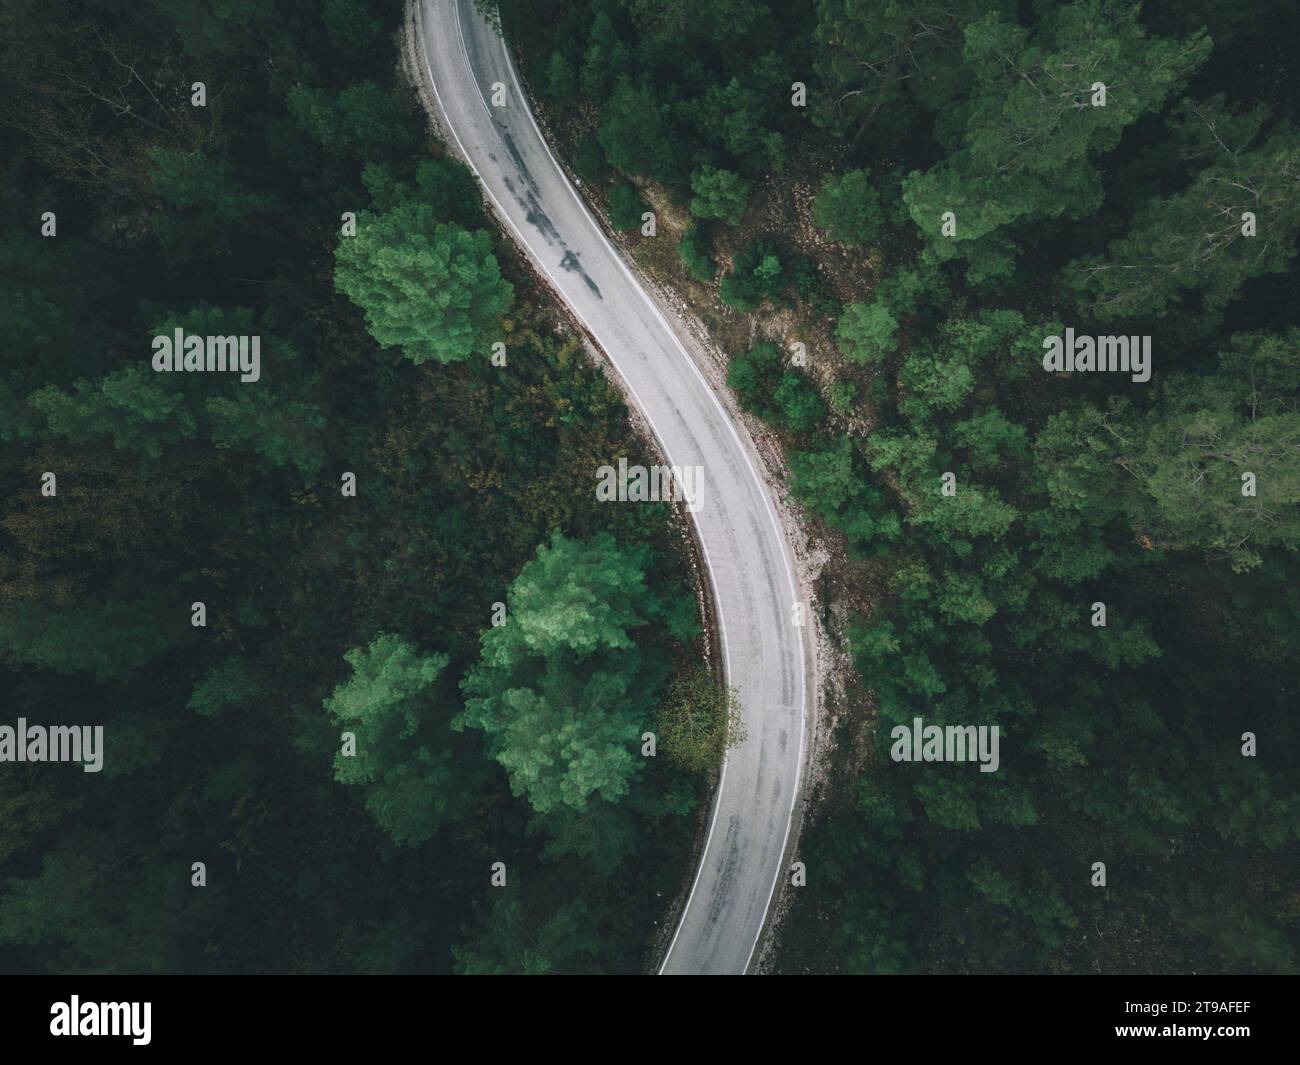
(460,34)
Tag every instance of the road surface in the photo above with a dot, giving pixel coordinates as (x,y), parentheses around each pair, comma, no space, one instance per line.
(749,560)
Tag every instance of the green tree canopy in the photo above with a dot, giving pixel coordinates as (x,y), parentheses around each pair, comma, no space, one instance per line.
(718,194)
(561,689)
(1026,138)
(432,289)
(412,784)
(867,331)
(848,207)
(1239,218)
(363,120)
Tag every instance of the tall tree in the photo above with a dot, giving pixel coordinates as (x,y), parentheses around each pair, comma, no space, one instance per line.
(434,290)
(561,689)
(1239,218)
(412,784)
(1024,143)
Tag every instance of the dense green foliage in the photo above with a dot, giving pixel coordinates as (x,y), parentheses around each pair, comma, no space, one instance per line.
(1006,199)
(718,194)
(413,790)
(561,685)
(977,510)
(332,619)
(784,397)
(694,250)
(755,276)
(848,207)
(693,95)
(625,207)
(430,288)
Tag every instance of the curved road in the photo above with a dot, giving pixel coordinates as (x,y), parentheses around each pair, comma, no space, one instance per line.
(748,558)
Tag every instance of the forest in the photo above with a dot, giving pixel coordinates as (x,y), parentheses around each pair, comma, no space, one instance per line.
(393,534)
(1104,566)
(359,637)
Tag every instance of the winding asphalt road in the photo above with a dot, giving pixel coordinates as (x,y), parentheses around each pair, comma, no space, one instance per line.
(749,560)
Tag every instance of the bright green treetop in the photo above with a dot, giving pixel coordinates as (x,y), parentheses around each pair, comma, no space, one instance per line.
(561,689)
(412,786)
(434,290)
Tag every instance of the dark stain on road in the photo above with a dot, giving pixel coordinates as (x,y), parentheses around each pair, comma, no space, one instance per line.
(518,159)
(542,220)
(570,262)
(537,216)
